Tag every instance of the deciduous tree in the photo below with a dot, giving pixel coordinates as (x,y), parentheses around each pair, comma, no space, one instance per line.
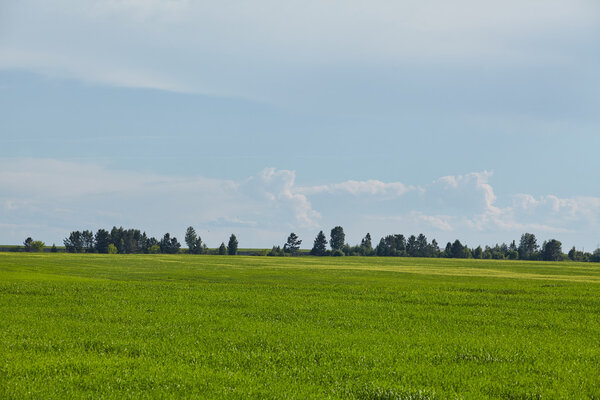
(552,250)
(337,239)
(528,246)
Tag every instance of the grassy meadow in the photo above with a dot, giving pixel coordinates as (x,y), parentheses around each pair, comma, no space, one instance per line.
(183,326)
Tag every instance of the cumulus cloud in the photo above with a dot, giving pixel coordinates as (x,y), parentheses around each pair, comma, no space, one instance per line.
(49,198)
(277,187)
(358,188)
(469,193)
(64,196)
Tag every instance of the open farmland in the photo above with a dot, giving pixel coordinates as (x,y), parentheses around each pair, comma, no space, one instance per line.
(160,326)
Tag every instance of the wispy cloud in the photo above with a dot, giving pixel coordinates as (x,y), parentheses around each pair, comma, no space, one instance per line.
(238,47)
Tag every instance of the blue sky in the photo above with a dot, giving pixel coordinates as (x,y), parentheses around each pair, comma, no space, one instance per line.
(471,120)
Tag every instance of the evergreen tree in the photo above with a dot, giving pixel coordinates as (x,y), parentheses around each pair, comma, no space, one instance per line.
(478,253)
(101,241)
(222,249)
(275,252)
(193,241)
(422,246)
(27,244)
(293,244)
(435,248)
(169,245)
(319,245)
(366,246)
(411,246)
(88,241)
(116,238)
(232,247)
(74,243)
(448,250)
(400,245)
(458,250)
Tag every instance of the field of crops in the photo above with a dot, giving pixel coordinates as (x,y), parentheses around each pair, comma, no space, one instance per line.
(183,326)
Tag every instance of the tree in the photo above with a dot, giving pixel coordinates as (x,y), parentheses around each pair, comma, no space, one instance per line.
(190,238)
(366,246)
(337,253)
(133,241)
(399,245)
(112,249)
(411,246)
(74,243)
(222,249)
(31,245)
(457,250)
(528,246)
(435,248)
(193,241)
(338,238)
(293,244)
(552,250)
(102,241)
(37,245)
(53,249)
(169,245)
(319,245)
(572,254)
(276,251)
(116,238)
(487,253)
(477,253)
(422,246)
(232,246)
(595,257)
(391,245)
(578,255)
(150,245)
(87,238)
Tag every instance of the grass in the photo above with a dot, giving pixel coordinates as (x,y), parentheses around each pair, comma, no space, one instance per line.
(183,326)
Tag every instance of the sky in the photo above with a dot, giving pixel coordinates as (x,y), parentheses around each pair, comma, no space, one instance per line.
(470,120)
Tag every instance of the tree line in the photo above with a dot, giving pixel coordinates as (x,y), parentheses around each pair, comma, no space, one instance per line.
(133,241)
(398,245)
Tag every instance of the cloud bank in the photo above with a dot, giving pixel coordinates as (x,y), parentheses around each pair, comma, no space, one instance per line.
(47,199)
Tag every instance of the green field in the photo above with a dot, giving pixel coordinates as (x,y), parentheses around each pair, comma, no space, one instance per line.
(101,326)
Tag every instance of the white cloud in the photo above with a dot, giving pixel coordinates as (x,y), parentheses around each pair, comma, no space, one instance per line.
(360,188)
(69,195)
(49,198)
(277,187)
